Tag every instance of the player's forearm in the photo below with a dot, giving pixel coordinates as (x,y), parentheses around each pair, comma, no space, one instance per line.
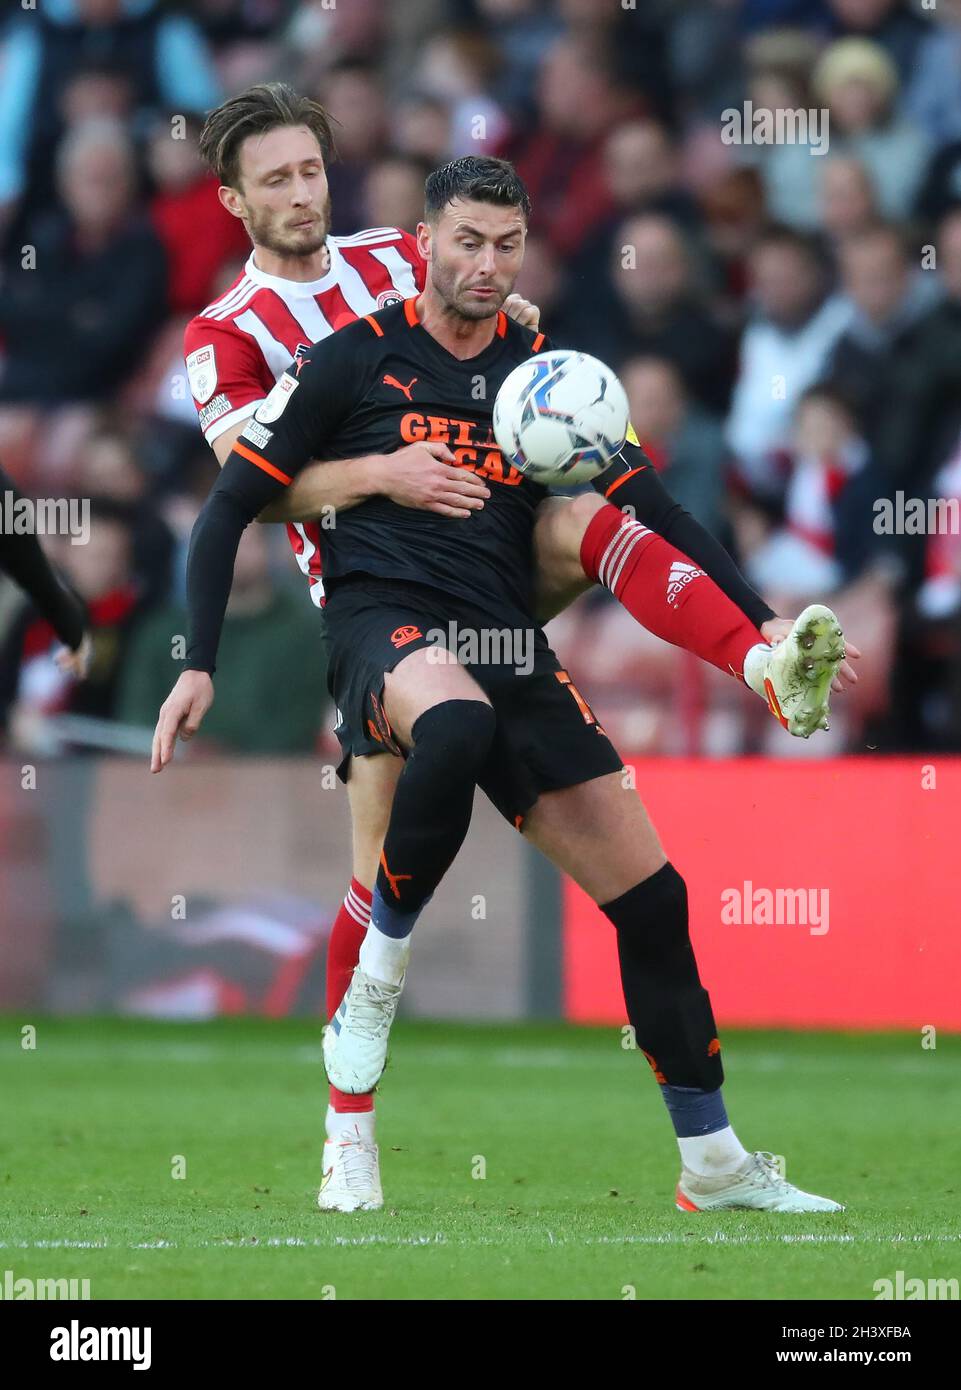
(324,487)
(634,483)
(239,495)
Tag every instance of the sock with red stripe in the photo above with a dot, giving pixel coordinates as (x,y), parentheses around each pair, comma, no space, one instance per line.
(343,953)
(665,592)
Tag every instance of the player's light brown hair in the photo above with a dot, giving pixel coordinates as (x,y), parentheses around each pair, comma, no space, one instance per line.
(256,111)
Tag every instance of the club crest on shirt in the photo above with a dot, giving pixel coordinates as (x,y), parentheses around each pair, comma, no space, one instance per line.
(388,297)
(202,373)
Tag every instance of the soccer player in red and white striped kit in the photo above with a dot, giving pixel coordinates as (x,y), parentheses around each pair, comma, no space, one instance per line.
(269,148)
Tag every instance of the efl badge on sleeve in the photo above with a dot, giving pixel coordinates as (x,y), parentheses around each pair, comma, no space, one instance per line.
(202,373)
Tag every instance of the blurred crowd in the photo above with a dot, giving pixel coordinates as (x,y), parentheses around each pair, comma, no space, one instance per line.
(785,317)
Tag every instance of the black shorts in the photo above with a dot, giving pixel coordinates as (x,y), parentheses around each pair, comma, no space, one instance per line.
(547,736)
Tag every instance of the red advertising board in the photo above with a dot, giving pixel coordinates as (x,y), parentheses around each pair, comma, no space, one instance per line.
(822,895)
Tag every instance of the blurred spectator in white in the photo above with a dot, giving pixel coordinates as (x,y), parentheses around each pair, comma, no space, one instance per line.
(458,68)
(198,233)
(858,83)
(888,296)
(826,550)
(394,192)
(848,202)
(827,537)
(786,345)
(81,318)
(164,56)
(650,303)
(685,443)
(580,99)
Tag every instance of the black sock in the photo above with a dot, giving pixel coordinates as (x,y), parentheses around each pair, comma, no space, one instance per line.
(668,1007)
(434,799)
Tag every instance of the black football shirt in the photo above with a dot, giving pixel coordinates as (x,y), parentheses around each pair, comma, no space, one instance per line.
(371,388)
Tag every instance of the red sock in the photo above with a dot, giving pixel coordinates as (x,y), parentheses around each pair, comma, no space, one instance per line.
(665,591)
(343,952)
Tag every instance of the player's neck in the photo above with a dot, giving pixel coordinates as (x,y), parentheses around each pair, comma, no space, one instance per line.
(300,269)
(461,337)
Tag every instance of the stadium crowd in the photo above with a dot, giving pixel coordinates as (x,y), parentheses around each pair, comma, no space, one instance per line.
(786,317)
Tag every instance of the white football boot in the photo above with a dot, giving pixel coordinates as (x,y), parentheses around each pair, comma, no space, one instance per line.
(756,1186)
(351,1180)
(355,1039)
(799,671)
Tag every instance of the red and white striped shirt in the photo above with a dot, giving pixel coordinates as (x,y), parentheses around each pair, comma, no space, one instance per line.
(241,343)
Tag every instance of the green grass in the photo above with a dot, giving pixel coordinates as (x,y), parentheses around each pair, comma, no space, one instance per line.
(580,1165)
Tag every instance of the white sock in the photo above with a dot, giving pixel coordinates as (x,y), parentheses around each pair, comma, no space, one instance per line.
(384,957)
(754,665)
(710,1155)
(340,1124)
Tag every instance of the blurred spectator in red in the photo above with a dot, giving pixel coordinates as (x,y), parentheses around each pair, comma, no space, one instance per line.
(685,443)
(734,217)
(888,297)
(650,304)
(785,348)
(101,570)
(581,99)
(76,323)
(263,626)
(198,233)
(163,56)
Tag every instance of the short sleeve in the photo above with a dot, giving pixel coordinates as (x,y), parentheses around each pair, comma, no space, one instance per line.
(227,375)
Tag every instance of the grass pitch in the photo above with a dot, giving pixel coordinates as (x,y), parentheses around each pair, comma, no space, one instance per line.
(578,1157)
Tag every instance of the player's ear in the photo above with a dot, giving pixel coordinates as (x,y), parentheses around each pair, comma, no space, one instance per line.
(231,200)
(424,235)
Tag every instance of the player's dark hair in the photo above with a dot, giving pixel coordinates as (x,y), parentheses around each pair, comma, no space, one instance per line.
(480,178)
(256,111)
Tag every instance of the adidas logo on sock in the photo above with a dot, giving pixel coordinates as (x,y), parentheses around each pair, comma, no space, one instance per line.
(680,576)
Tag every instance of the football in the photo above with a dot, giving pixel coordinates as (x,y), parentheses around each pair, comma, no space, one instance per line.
(561,417)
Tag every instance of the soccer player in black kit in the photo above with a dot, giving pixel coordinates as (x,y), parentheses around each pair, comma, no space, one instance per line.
(430,368)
